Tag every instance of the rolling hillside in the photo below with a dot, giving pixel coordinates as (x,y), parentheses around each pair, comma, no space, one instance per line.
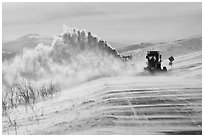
(138,103)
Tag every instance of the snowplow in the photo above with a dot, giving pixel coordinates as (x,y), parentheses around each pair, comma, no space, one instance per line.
(154,62)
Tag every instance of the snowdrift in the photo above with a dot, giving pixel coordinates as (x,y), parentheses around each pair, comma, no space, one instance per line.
(122,105)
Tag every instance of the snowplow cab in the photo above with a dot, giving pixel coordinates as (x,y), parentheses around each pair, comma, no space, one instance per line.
(154,61)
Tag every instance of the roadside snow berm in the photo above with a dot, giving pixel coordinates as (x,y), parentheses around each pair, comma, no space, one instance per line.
(154,62)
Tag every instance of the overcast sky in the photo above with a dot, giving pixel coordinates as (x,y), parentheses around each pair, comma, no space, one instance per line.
(123,22)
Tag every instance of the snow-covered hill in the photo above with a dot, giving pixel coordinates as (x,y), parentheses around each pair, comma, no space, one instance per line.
(135,47)
(30,41)
(101,94)
(175,48)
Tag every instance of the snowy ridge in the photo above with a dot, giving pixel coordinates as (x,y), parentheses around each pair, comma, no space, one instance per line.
(35,36)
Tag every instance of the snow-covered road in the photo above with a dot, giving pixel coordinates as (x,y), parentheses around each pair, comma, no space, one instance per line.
(119,105)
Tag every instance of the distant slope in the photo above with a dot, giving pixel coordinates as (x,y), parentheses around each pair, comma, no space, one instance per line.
(30,41)
(117,46)
(175,48)
(135,47)
(27,41)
